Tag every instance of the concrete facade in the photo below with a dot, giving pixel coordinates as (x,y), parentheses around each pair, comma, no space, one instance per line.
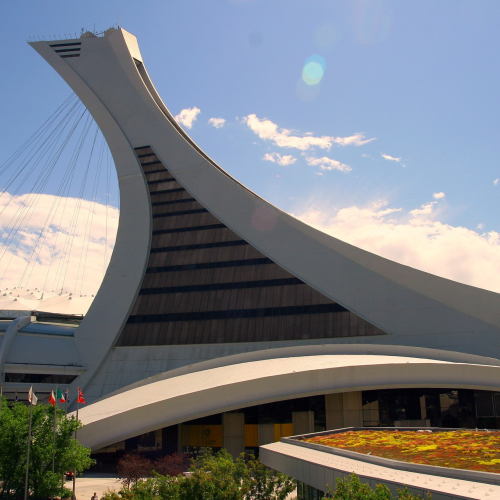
(336,324)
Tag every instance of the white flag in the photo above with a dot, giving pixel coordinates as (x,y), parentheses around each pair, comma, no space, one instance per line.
(33,400)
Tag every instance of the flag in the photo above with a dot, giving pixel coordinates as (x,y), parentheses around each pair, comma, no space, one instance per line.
(66,395)
(17,397)
(52,398)
(60,396)
(33,400)
(80,397)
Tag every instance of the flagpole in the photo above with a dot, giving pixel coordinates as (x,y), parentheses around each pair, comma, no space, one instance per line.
(54,440)
(76,431)
(28,456)
(1,397)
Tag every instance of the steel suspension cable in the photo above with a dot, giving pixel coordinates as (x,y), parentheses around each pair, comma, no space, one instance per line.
(49,219)
(33,197)
(76,212)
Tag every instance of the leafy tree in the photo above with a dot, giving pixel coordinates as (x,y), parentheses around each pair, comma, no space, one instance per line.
(133,467)
(267,484)
(215,477)
(354,489)
(171,465)
(68,453)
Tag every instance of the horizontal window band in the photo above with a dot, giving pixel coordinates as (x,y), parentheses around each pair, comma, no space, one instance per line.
(237,285)
(210,265)
(65,44)
(143,147)
(199,246)
(39,378)
(173,202)
(188,229)
(145,154)
(156,162)
(70,55)
(159,171)
(171,179)
(182,212)
(238,313)
(163,191)
(68,50)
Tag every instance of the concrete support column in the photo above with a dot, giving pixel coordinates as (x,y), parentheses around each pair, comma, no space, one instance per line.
(233,432)
(266,434)
(334,409)
(353,409)
(344,410)
(303,422)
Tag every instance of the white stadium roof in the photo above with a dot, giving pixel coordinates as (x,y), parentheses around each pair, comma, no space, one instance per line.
(18,302)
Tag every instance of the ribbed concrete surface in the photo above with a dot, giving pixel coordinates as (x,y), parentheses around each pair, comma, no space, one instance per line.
(318,469)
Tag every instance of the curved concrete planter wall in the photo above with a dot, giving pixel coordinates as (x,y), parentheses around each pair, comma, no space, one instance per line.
(461,474)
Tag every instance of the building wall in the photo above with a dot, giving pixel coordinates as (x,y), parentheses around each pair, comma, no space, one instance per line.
(204,284)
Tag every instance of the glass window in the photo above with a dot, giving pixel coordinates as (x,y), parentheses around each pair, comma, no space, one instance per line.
(484,404)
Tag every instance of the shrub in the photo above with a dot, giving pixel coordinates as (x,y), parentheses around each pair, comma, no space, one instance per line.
(214,477)
(354,489)
(133,467)
(171,465)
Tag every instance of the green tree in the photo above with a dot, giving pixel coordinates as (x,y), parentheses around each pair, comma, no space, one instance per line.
(264,483)
(354,489)
(69,454)
(215,477)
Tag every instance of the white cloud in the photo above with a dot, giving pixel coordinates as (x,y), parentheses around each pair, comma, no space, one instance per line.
(392,158)
(217,122)
(285,138)
(86,258)
(280,159)
(480,225)
(188,116)
(389,157)
(415,240)
(425,209)
(496,182)
(327,164)
(438,196)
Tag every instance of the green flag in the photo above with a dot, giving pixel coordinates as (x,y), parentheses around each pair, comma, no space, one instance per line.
(60,396)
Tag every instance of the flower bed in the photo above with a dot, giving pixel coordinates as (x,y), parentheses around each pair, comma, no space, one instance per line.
(460,449)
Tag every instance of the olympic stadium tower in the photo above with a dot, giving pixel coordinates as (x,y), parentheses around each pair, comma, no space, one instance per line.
(222,321)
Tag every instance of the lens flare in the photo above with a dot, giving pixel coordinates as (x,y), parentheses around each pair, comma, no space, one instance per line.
(372,20)
(306,92)
(326,36)
(263,219)
(314,69)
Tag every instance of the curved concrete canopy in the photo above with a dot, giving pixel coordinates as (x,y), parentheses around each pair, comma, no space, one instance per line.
(315,350)
(194,395)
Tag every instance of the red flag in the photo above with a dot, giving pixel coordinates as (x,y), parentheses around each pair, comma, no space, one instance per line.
(80,397)
(52,399)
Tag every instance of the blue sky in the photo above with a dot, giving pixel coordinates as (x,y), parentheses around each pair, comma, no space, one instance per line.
(418,80)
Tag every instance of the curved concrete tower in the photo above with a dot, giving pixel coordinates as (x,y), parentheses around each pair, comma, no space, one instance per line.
(215,300)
